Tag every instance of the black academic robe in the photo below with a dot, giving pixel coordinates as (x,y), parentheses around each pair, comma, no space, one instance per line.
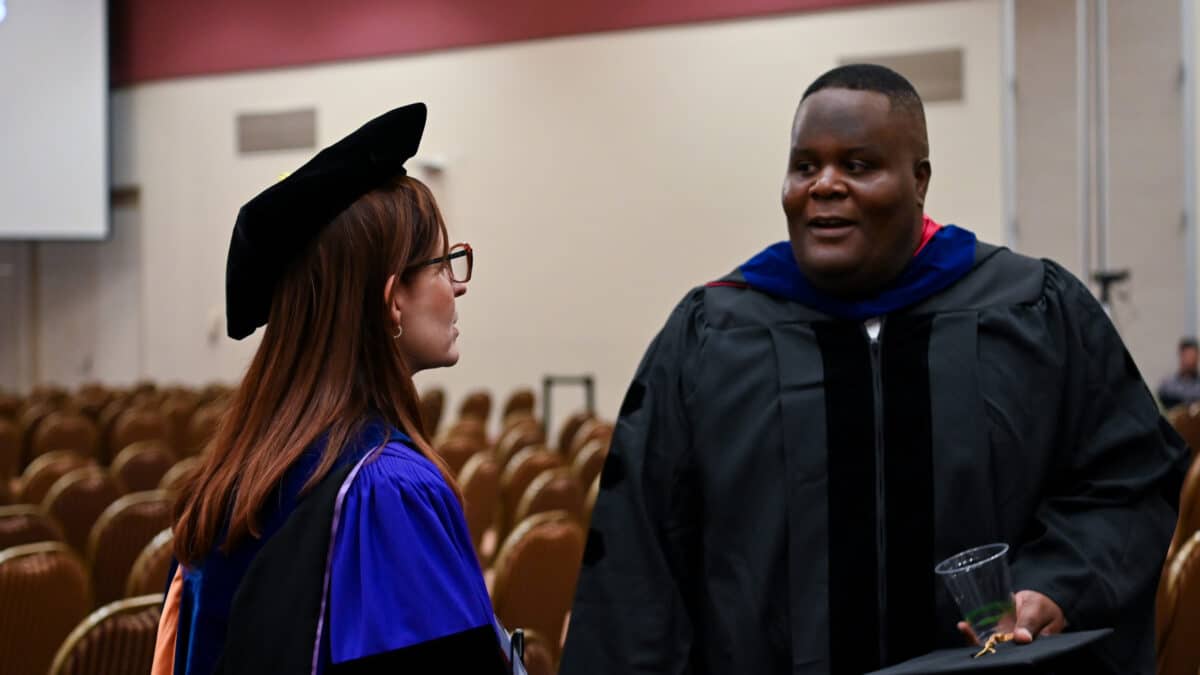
(780,486)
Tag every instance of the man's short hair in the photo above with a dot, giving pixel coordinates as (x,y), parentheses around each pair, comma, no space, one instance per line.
(880,79)
(1188,343)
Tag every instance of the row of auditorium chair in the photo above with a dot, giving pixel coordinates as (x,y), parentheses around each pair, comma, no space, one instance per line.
(86,484)
(528,504)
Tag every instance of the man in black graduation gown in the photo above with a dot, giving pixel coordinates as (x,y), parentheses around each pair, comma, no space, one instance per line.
(808,436)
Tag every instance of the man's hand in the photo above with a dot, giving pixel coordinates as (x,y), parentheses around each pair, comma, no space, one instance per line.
(1036,615)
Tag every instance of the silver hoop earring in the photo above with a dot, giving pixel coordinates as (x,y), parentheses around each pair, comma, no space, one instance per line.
(399,329)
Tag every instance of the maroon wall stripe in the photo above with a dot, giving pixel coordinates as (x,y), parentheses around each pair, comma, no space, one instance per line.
(160,39)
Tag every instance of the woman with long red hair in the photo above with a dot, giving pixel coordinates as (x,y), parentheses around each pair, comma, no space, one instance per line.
(322,533)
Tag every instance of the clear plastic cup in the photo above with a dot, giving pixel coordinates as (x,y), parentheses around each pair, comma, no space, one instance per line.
(980,582)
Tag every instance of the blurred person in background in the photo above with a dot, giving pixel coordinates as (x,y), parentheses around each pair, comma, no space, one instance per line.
(1183,386)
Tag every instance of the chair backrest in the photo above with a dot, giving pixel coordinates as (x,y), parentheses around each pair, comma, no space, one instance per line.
(480,484)
(65,430)
(203,427)
(1179,612)
(173,479)
(589,502)
(519,418)
(457,450)
(76,501)
(178,410)
(520,401)
(543,552)
(22,524)
(477,404)
(524,435)
(589,461)
(150,569)
(10,449)
(91,399)
(566,435)
(541,654)
(590,430)
(433,404)
(552,490)
(1189,509)
(117,638)
(1186,420)
(45,592)
(518,474)
(29,420)
(468,427)
(10,406)
(142,465)
(137,424)
(118,537)
(43,472)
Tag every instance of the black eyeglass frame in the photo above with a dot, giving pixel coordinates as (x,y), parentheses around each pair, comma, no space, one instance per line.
(456,251)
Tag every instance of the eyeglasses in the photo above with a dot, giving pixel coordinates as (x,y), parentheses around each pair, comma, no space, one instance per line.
(460,261)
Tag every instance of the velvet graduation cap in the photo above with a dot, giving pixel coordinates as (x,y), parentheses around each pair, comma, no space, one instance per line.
(275,227)
(1047,654)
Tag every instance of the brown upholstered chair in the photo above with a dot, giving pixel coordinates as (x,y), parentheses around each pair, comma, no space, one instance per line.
(457,450)
(516,477)
(30,419)
(117,638)
(118,537)
(469,427)
(552,490)
(1178,612)
(177,410)
(136,424)
(45,591)
(91,399)
(541,654)
(43,472)
(10,406)
(566,435)
(1189,509)
(1186,420)
(543,552)
(589,461)
(64,430)
(477,404)
(520,418)
(173,479)
(10,449)
(22,524)
(142,465)
(150,568)
(433,404)
(525,435)
(214,392)
(588,431)
(520,401)
(589,502)
(107,419)
(76,501)
(203,427)
(480,484)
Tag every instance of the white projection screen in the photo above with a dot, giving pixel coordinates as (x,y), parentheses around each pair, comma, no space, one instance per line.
(54,181)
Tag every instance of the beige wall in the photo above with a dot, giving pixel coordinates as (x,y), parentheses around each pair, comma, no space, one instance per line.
(1145,198)
(1195,11)
(598,178)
